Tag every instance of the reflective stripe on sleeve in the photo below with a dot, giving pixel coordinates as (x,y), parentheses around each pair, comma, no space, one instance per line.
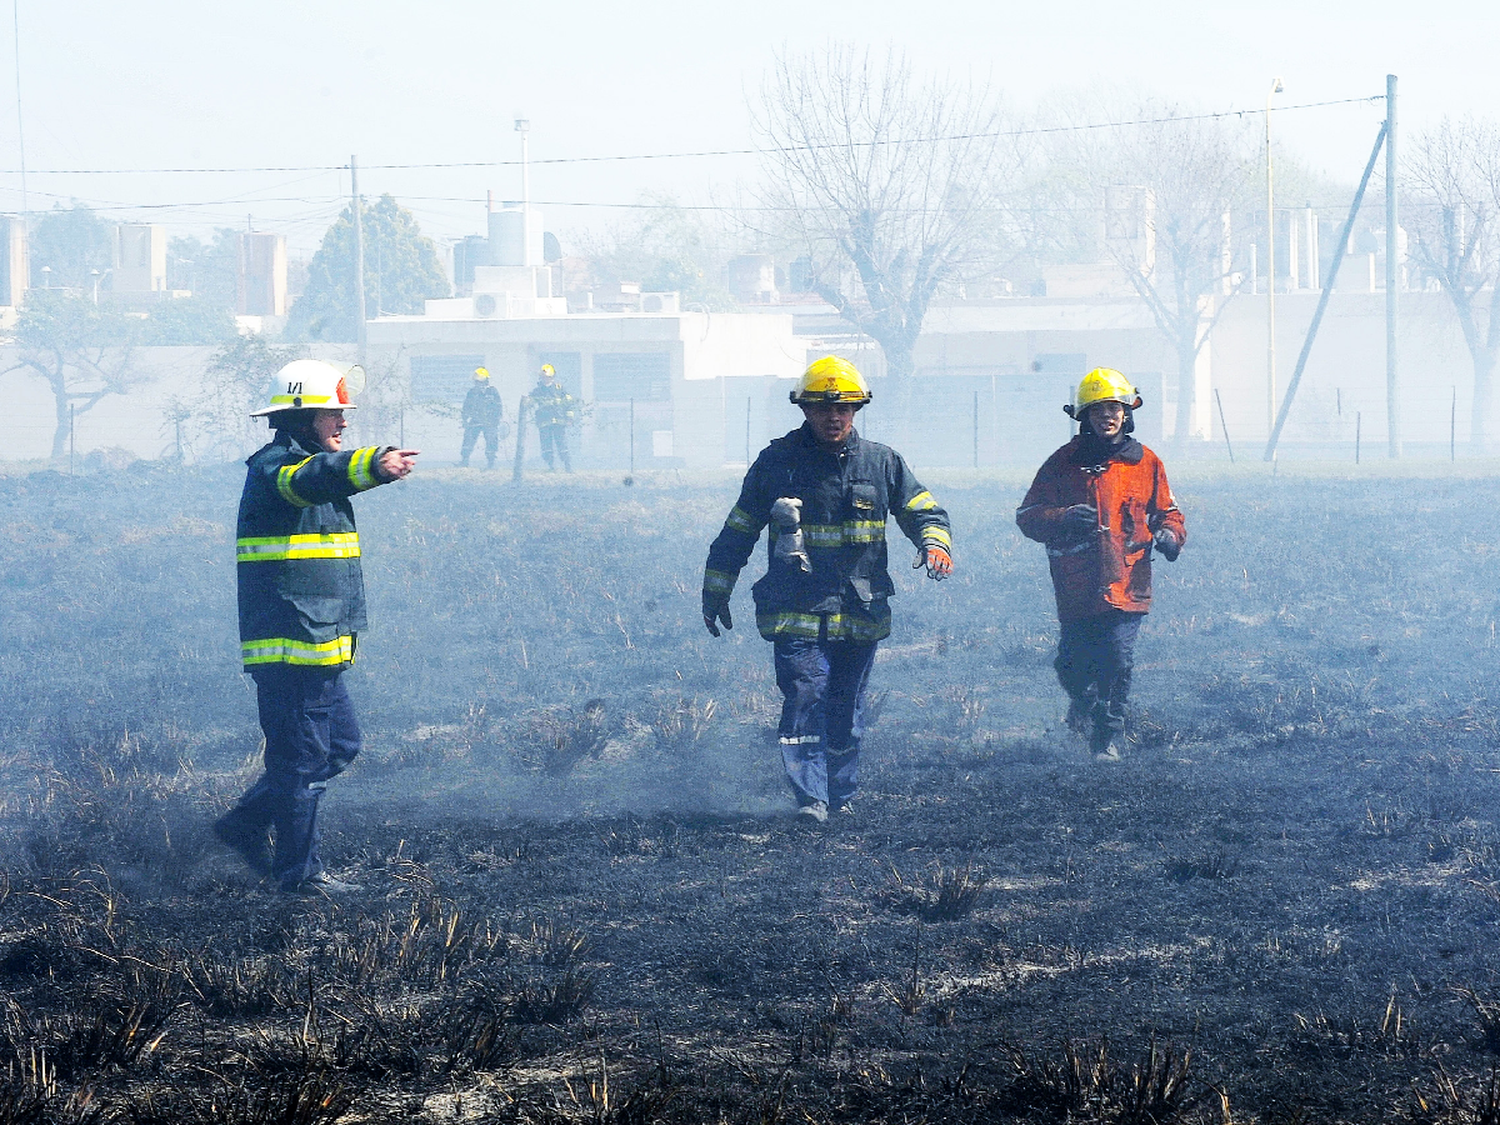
(285,650)
(739,520)
(939,536)
(921,502)
(284,484)
(718,582)
(362,468)
(280,548)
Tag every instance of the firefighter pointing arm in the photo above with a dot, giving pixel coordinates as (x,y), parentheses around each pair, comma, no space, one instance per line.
(301,608)
(1101,504)
(826,494)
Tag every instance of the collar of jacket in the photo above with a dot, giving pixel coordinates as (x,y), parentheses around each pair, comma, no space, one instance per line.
(810,439)
(1089,451)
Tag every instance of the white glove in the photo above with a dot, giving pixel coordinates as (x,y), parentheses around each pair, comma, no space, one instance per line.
(790,548)
(786,513)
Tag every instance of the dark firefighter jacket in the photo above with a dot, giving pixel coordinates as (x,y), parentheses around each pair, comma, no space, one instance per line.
(1109,567)
(551,405)
(301,593)
(846,498)
(482,406)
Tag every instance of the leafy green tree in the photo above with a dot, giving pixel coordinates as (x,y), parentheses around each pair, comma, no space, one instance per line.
(667,249)
(402,270)
(82,351)
(190,320)
(209,270)
(71,242)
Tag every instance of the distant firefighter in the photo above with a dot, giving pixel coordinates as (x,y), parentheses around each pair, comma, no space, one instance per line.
(826,494)
(1101,504)
(482,412)
(302,605)
(554,410)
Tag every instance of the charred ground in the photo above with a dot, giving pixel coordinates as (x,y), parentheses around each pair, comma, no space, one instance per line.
(583,900)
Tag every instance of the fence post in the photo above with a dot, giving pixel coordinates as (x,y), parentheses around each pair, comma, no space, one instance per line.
(976,429)
(1356,436)
(1224,425)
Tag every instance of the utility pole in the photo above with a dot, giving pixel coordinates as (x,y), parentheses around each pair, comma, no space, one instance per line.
(1276,88)
(359,253)
(1392,272)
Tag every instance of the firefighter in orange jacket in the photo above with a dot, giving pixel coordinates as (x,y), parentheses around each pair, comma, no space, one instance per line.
(1100,505)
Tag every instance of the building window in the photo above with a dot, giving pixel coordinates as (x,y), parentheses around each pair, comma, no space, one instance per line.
(442,378)
(642,376)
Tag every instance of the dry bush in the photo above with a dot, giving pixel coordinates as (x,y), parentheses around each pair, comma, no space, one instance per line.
(1084,1083)
(947,895)
(557,739)
(1214,864)
(432,945)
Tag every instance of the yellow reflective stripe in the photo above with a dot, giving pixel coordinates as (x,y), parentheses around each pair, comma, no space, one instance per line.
(937,535)
(285,650)
(362,468)
(739,520)
(788,624)
(921,502)
(837,534)
(841,626)
(718,582)
(284,484)
(302,400)
(279,548)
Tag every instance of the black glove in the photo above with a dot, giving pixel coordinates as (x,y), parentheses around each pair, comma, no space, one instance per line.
(1167,544)
(1080,520)
(716,609)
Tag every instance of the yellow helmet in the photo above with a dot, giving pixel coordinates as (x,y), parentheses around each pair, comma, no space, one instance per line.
(481,372)
(1103,384)
(832,379)
(548,369)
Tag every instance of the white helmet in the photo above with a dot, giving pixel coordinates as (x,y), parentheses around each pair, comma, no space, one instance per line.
(311,384)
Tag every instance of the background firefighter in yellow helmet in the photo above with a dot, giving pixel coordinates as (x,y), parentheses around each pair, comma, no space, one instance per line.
(826,494)
(1101,504)
(554,409)
(482,411)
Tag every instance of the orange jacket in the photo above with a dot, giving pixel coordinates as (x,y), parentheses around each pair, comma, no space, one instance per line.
(1109,568)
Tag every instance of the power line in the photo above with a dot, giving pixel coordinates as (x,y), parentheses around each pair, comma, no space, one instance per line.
(704,153)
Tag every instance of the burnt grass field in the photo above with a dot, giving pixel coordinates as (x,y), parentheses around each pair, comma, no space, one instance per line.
(584,899)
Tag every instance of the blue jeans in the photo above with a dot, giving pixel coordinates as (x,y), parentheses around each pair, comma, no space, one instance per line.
(311,736)
(1095,658)
(823,691)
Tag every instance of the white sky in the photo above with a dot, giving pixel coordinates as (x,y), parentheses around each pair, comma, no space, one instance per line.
(185,83)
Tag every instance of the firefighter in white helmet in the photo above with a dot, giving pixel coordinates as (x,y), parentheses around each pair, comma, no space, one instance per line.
(826,494)
(301,608)
(1101,505)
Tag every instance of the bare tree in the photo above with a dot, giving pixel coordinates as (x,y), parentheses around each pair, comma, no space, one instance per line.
(82,352)
(1452,220)
(888,185)
(1168,186)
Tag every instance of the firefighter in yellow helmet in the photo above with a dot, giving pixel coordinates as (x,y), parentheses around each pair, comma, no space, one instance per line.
(301,608)
(825,493)
(554,409)
(1101,505)
(482,411)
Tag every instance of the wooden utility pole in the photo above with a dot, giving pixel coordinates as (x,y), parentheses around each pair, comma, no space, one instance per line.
(359,253)
(1392,272)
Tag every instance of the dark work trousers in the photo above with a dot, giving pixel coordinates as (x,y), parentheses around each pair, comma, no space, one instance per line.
(823,692)
(311,735)
(1095,657)
(554,438)
(491,443)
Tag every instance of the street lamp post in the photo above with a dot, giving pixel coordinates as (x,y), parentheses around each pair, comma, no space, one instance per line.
(1276,88)
(523,126)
